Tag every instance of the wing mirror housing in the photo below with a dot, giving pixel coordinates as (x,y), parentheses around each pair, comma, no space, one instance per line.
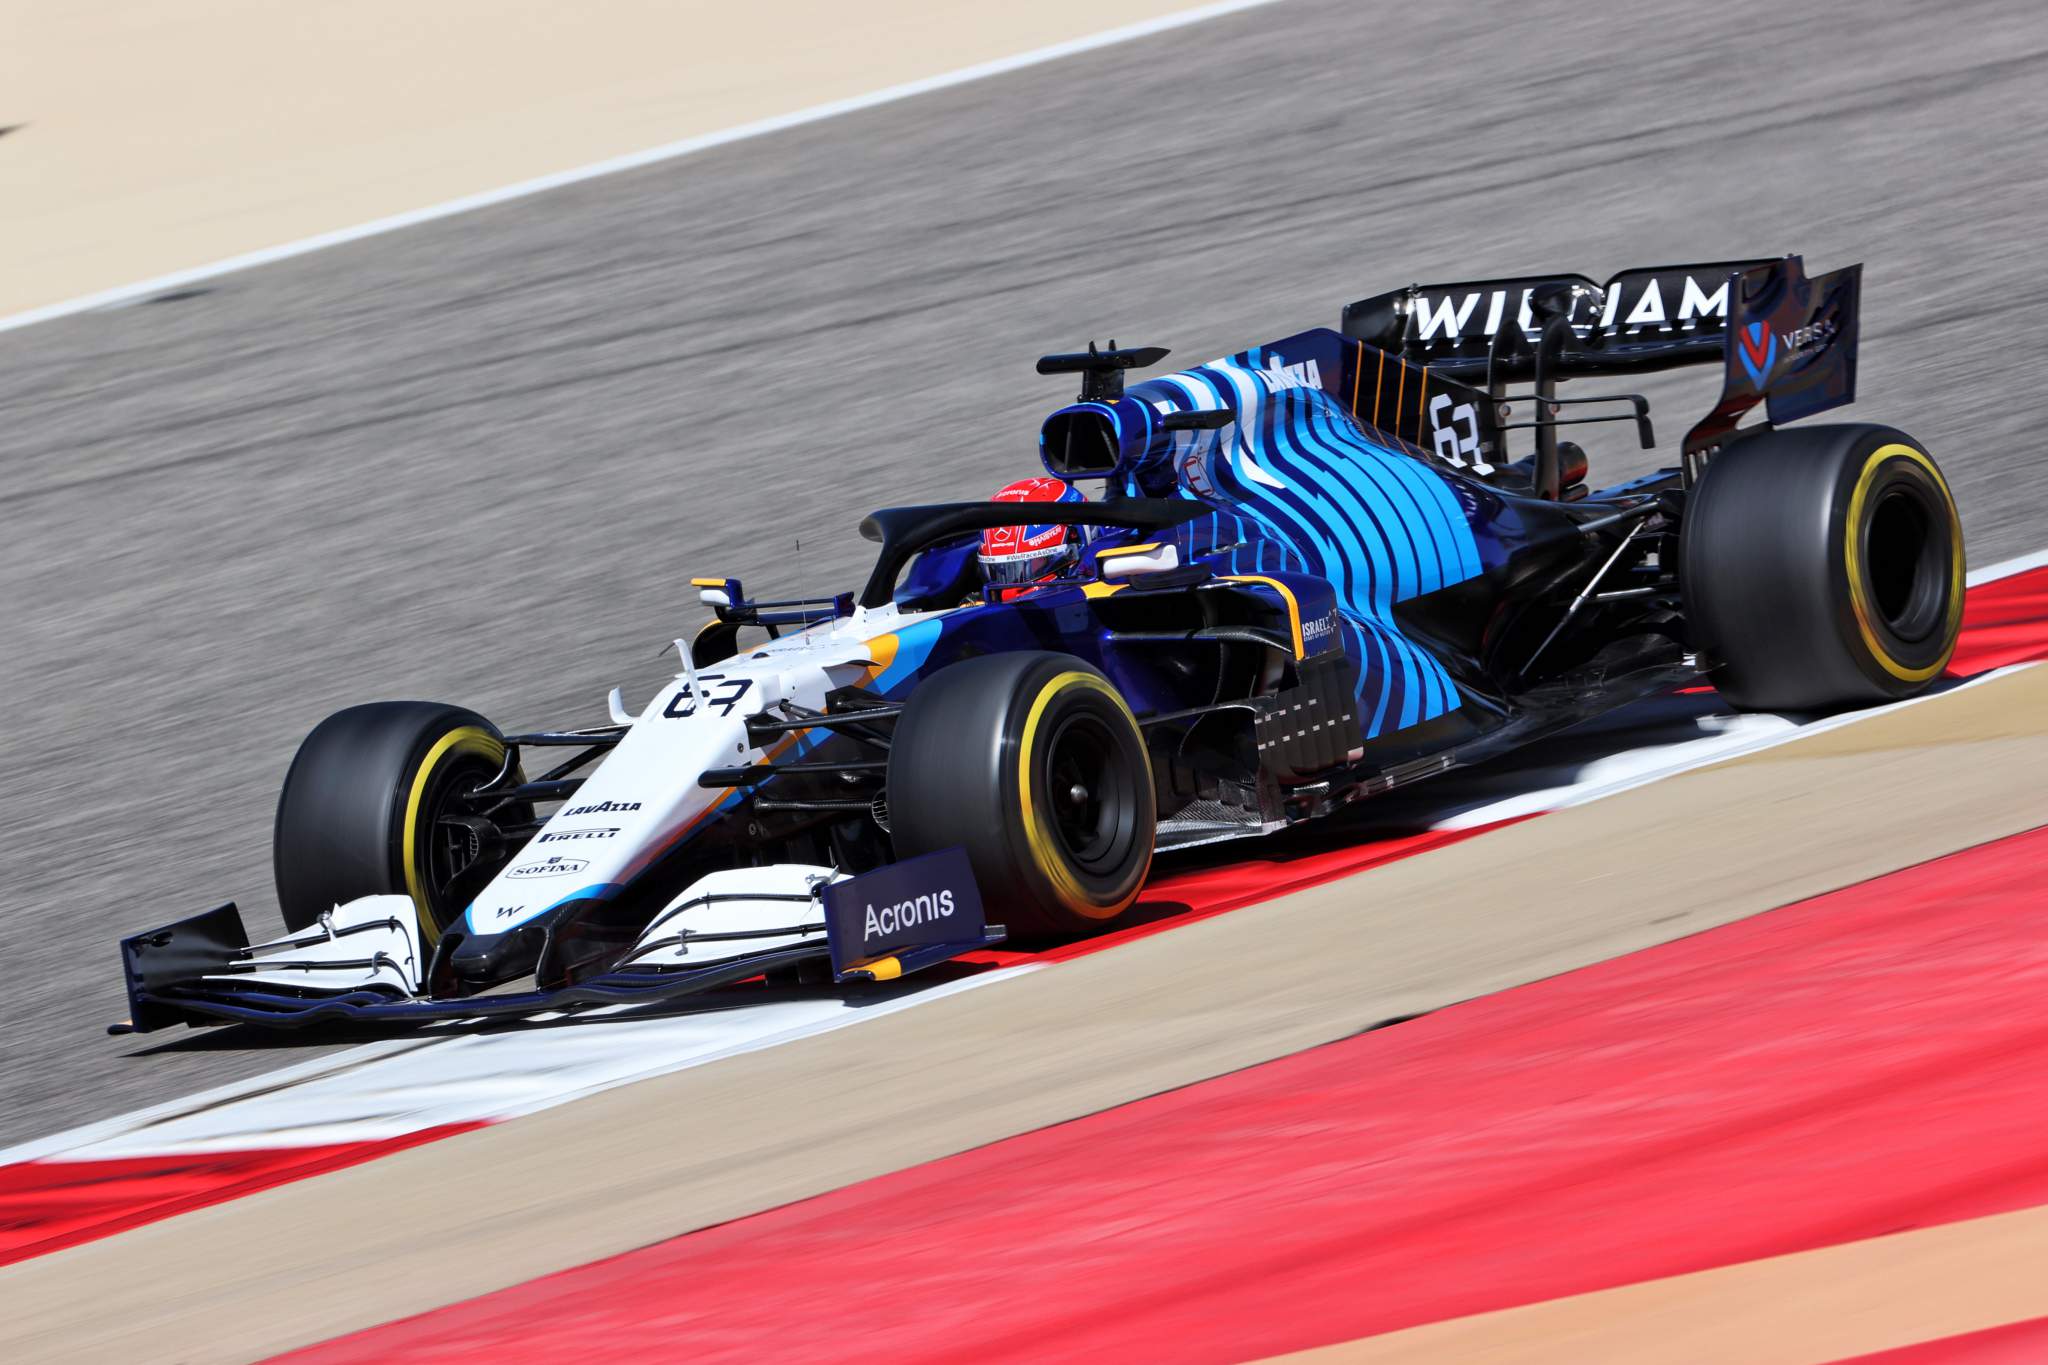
(718,593)
(1125,562)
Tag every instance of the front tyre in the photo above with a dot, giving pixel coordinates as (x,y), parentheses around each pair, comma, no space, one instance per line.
(376,803)
(1823,566)
(1033,763)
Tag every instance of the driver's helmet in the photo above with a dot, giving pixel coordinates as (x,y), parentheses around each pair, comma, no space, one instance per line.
(1012,556)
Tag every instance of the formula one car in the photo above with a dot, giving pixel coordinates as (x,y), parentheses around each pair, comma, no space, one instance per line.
(1313,572)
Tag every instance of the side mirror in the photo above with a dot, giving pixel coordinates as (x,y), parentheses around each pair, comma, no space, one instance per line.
(717,593)
(1132,561)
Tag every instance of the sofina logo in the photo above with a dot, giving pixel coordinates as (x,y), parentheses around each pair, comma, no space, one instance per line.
(1757,347)
(553,867)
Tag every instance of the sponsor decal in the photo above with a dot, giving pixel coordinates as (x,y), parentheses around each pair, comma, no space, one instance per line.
(551,867)
(1811,338)
(920,901)
(1319,629)
(1277,376)
(603,807)
(503,912)
(1194,472)
(1632,304)
(895,919)
(1756,346)
(557,836)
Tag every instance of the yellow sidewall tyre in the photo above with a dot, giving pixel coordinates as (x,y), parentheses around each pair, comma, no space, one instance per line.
(1034,764)
(1823,567)
(362,808)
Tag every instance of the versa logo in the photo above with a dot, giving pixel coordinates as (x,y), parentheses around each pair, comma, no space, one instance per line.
(1756,346)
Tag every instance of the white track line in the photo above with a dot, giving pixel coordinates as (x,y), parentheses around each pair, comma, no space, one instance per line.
(2007,568)
(129,293)
(491,1076)
(385,1089)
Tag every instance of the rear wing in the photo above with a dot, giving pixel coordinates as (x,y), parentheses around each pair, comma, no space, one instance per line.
(1489,330)
(1781,338)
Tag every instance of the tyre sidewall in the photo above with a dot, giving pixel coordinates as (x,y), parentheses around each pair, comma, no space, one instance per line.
(356,809)
(1779,582)
(969,766)
(1891,467)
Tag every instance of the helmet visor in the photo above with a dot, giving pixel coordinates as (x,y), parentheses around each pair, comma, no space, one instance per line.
(1008,571)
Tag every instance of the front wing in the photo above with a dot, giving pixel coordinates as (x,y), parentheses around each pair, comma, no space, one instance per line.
(364,963)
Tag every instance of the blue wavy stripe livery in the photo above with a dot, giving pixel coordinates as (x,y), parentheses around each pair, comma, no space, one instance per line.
(1381,526)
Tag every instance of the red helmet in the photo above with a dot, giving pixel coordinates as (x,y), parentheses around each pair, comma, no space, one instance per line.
(1016,555)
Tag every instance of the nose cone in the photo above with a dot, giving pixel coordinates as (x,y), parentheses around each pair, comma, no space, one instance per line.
(549,947)
(472,962)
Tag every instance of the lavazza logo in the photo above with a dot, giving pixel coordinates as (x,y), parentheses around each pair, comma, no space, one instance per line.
(604,808)
(905,915)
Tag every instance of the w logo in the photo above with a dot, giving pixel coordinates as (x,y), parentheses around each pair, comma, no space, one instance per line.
(1757,347)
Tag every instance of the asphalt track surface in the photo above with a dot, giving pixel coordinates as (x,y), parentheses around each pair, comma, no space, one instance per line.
(478,460)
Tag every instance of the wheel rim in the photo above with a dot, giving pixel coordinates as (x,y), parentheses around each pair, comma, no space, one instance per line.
(456,861)
(1092,795)
(1907,561)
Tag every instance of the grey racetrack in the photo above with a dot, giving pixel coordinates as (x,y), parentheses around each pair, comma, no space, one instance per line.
(478,460)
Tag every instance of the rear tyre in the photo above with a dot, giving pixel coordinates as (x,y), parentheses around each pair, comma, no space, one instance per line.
(1032,763)
(373,805)
(1823,567)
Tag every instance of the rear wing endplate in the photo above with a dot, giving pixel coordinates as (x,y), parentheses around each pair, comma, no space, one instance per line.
(1790,344)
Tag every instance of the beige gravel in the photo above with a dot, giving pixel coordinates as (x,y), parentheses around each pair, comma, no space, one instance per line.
(152,137)
(1809,1308)
(475,1213)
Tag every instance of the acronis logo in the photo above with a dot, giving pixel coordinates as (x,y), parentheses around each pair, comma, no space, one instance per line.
(905,915)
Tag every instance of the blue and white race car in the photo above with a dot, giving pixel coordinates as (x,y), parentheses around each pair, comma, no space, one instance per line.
(1309,572)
